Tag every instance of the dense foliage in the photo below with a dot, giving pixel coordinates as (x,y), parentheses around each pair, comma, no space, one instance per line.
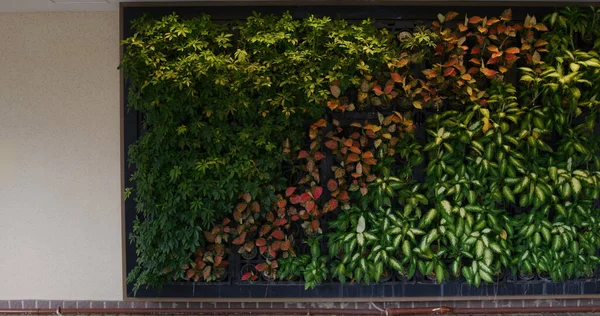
(249,141)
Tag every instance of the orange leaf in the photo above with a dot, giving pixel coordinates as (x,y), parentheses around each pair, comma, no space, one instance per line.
(367,154)
(540,43)
(355,150)
(241,207)
(475,61)
(466,77)
(488,72)
(352,158)
(492,21)
(512,50)
(493,48)
(462,27)
(482,29)
(450,15)
(396,77)
(332,104)
(541,27)
(475,50)
(506,15)
(475,19)
(502,69)
(370,161)
(348,142)
(449,72)
(343,196)
(450,63)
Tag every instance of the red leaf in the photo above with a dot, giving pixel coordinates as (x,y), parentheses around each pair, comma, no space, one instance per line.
(278,234)
(355,150)
(261,242)
(218,260)
(247,197)
(302,154)
(241,207)
(305,197)
(237,215)
(377,90)
(315,224)
(396,77)
(473,70)
(290,191)
(310,205)
(190,273)
(255,207)
(261,267)
(332,185)
(492,61)
(319,156)
(295,199)
(246,276)
(333,204)
(281,203)
(280,222)
(388,89)
(348,142)
(331,144)
(475,50)
(274,264)
(317,191)
(475,61)
(240,240)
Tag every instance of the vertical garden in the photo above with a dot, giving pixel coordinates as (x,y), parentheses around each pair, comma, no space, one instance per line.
(319,150)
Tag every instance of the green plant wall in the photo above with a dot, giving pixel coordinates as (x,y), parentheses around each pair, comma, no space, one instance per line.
(252,136)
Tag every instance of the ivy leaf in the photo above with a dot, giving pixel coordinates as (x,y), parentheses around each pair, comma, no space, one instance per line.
(361,224)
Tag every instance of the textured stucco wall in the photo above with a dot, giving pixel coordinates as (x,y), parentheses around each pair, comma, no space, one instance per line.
(60,230)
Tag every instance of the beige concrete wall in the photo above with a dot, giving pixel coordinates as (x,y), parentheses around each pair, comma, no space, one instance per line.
(60,230)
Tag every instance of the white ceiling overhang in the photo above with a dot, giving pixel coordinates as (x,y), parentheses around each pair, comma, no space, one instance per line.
(113,5)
